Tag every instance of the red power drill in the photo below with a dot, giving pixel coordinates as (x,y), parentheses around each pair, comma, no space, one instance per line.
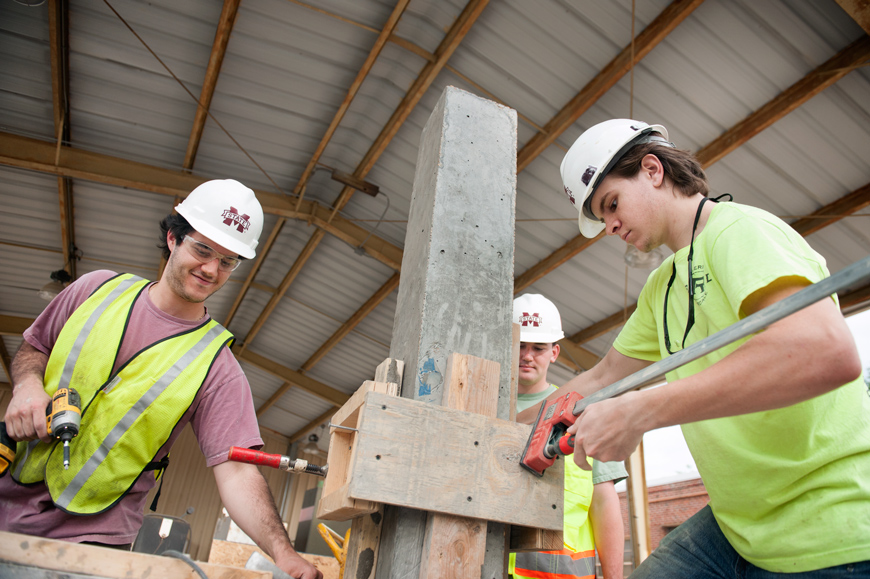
(548,439)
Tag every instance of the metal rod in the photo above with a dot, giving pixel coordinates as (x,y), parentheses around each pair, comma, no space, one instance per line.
(331,425)
(844,278)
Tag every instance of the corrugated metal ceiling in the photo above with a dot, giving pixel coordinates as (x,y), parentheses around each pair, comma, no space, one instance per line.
(288,67)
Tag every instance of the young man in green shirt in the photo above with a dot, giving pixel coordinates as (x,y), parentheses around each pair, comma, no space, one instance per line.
(778,423)
(593,520)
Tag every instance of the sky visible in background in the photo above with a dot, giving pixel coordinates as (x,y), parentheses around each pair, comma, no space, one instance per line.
(666,456)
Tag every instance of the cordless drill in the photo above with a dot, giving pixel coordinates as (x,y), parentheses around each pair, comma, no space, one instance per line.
(63,415)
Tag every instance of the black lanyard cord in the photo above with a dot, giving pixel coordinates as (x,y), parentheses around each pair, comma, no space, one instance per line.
(691,287)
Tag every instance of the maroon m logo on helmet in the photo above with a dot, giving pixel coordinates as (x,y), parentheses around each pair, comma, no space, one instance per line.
(531,319)
(231,217)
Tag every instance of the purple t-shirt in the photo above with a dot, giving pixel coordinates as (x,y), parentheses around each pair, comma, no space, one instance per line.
(222,415)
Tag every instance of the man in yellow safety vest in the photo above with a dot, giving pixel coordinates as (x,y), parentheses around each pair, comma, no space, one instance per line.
(146,359)
(592,516)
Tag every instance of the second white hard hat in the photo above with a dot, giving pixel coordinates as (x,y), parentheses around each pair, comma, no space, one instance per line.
(592,156)
(226,212)
(538,318)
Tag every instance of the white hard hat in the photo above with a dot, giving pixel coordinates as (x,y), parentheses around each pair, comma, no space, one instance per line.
(592,156)
(226,212)
(538,318)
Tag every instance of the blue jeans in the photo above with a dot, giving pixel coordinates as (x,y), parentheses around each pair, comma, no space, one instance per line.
(699,550)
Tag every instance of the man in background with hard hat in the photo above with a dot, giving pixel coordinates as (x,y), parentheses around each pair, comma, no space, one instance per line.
(778,423)
(592,518)
(146,359)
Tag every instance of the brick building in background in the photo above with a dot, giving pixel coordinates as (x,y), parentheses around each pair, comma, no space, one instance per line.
(670,504)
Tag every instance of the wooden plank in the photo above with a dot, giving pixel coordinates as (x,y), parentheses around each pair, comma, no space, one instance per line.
(552,261)
(39,155)
(638,506)
(531,539)
(859,10)
(384,36)
(212,71)
(515,368)
(335,503)
(297,266)
(455,546)
(454,36)
(336,397)
(652,35)
(576,357)
(833,212)
(471,384)
(373,302)
(361,552)
(787,101)
(423,456)
(39,553)
(14,325)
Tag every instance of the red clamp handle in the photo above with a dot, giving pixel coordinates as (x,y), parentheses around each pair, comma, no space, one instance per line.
(566,445)
(258,457)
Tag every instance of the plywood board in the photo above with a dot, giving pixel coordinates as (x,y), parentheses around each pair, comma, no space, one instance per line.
(39,553)
(428,457)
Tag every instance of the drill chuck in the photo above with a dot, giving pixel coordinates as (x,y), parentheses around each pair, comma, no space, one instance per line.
(63,418)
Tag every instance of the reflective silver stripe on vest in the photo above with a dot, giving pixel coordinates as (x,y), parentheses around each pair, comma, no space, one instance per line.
(30,446)
(553,563)
(70,362)
(130,417)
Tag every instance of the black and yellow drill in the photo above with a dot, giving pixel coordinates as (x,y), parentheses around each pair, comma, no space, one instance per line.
(63,416)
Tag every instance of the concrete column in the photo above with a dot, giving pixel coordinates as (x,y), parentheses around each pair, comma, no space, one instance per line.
(456,290)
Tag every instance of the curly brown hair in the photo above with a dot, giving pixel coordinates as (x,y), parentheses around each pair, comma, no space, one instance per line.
(179,227)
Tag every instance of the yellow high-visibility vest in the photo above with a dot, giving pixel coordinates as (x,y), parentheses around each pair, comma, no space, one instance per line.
(577,559)
(126,416)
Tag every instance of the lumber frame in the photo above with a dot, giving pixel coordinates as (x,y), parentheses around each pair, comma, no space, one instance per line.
(336,502)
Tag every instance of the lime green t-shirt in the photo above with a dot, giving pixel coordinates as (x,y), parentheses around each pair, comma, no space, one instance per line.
(790,488)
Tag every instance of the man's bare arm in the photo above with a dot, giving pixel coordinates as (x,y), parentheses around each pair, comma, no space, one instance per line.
(606,519)
(25,415)
(249,502)
(802,356)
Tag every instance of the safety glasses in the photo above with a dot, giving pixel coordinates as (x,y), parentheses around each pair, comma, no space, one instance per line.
(205,254)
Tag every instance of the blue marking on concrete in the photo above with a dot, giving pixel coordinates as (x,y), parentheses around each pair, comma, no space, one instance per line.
(429,376)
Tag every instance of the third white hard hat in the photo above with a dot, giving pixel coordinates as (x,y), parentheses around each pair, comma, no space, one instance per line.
(538,318)
(226,212)
(593,154)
